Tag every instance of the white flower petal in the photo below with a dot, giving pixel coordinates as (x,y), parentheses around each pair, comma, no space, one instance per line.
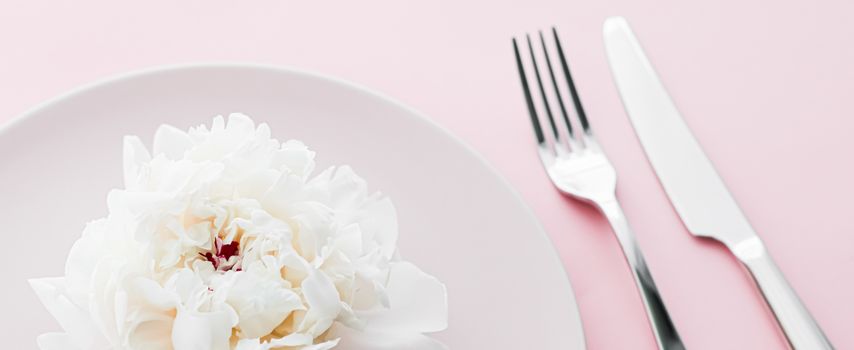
(195,330)
(349,241)
(262,302)
(256,184)
(298,340)
(56,341)
(241,124)
(323,303)
(76,322)
(359,340)
(134,157)
(82,259)
(106,279)
(296,158)
(322,346)
(218,124)
(149,292)
(171,142)
(378,222)
(418,302)
(150,315)
(151,335)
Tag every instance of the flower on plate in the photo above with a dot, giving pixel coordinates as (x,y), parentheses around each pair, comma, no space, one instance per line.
(223,239)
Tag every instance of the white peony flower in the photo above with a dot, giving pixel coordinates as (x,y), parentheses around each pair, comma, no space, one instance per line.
(222,239)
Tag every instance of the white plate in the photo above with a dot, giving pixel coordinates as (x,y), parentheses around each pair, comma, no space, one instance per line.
(458,219)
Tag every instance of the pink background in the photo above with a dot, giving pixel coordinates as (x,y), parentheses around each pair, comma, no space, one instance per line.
(765,85)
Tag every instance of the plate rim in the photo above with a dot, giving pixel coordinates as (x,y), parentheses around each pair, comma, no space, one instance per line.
(413,114)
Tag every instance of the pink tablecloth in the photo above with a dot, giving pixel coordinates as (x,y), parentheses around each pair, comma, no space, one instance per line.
(766,86)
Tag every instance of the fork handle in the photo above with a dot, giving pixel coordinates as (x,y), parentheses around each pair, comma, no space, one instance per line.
(662,326)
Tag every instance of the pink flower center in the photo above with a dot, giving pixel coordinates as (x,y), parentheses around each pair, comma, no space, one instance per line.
(225,256)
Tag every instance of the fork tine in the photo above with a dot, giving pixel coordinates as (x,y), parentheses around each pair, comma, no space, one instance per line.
(535,120)
(554,85)
(543,92)
(572,91)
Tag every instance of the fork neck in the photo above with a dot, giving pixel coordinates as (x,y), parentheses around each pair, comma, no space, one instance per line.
(610,207)
(607,203)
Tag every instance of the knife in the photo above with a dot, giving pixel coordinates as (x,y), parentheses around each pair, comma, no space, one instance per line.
(696,191)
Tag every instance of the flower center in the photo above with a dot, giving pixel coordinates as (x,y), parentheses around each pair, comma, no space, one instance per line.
(225,257)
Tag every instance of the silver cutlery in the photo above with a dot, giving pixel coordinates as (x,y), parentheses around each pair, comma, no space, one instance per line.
(578,167)
(697,192)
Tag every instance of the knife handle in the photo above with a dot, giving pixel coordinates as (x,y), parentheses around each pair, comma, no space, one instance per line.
(662,326)
(800,328)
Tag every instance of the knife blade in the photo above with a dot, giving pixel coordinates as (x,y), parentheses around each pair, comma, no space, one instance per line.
(695,189)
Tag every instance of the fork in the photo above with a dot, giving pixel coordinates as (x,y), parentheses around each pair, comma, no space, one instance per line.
(578,167)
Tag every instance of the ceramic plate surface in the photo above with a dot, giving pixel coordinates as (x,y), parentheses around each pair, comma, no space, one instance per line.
(458,219)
